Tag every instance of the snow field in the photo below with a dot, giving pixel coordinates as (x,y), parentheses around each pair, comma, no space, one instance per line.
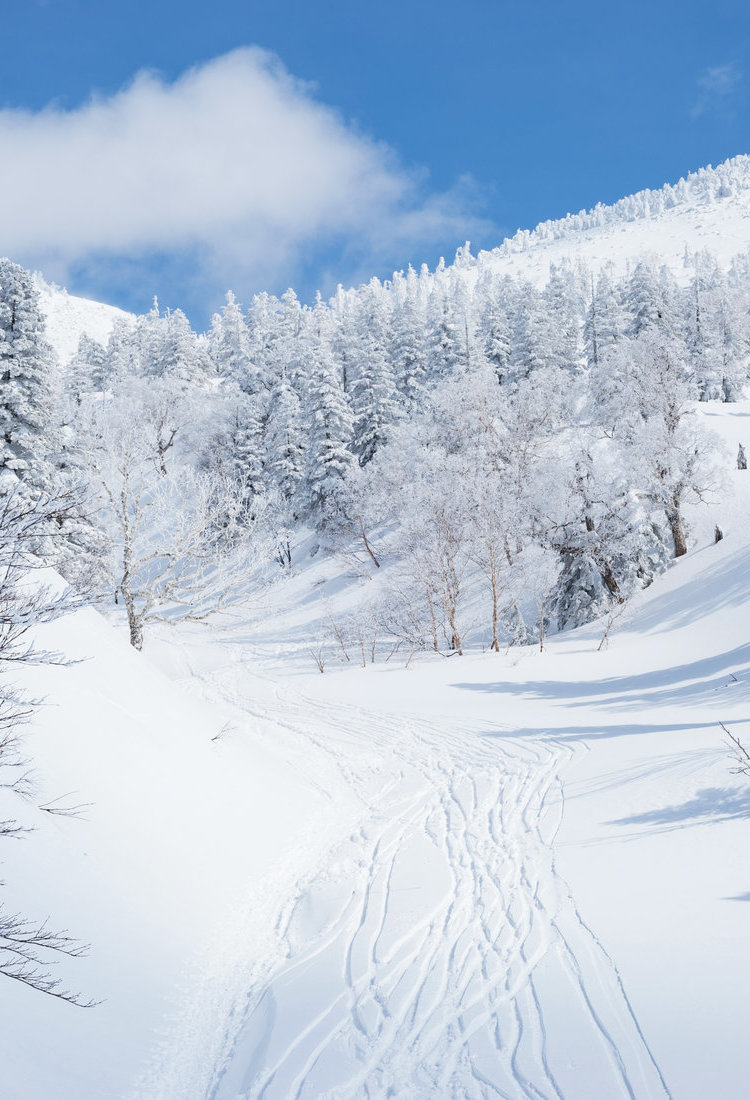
(512,874)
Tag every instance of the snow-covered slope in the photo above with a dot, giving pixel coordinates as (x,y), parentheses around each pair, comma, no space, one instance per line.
(68,318)
(184,813)
(516,874)
(546,893)
(708,209)
(512,874)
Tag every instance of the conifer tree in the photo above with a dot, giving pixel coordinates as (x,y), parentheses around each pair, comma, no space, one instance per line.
(407,351)
(493,330)
(87,370)
(605,323)
(229,344)
(563,309)
(530,335)
(29,373)
(373,390)
(330,425)
(284,444)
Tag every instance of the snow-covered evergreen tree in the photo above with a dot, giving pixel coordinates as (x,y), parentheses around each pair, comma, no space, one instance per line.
(87,370)
(285,451)
(229,345)
(30,376)
(373,390)
(605,324)
(329,425)
(408,351)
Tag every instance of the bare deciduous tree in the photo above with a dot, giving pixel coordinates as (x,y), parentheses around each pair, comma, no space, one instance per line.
(181,542)
(27,948)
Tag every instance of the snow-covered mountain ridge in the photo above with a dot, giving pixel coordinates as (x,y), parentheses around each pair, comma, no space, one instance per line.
(708,209)
(69,317)
(705,187)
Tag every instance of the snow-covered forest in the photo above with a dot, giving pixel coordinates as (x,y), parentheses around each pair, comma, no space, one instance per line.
(417,420)
(473,462)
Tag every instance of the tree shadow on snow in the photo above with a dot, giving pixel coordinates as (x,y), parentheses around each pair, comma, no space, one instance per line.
(600,731)
(706,807)
(706,680)
(722,584)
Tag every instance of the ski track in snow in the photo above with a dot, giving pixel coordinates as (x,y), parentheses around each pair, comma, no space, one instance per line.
(434,953)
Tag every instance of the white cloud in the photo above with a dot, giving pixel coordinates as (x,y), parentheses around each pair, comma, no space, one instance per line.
(716,87)
(235,167)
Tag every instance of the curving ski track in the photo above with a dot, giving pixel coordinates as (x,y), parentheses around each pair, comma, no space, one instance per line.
(436,953)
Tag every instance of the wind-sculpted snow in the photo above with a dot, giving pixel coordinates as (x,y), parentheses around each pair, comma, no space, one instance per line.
(436,952)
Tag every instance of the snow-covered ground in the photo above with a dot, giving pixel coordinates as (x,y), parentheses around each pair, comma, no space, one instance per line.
(722,226)
(520,874)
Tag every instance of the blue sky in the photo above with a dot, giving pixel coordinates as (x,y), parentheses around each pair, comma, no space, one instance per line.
(448,121)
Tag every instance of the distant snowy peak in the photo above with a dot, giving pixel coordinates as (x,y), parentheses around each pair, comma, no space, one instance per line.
(707,209)
(69,318)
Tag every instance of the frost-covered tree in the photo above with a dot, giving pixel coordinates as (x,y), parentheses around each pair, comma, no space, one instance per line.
(176,353)
(329,425)
(652,416)
(605,324)
(605,536)
(449,326)
(563,308)
(531,339)
(179,546)
(373,389)
(496,307)
(30,377)
(651,301)
(285,449)
(408,351)
(230,345)
(87,370)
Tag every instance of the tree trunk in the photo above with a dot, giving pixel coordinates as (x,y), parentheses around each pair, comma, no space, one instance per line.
(366,542)
(135,625)
(613,587)
(135,621)
(433,620)
(495,644)
(675,526)
(455,636)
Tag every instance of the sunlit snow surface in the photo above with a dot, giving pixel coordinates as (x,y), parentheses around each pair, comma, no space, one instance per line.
(520,874)
(68,318)
(545,892)
(514,874)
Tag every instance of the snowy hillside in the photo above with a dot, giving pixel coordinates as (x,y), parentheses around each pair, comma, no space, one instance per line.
(708,209)
(68,318)
(516,874)
(412,781)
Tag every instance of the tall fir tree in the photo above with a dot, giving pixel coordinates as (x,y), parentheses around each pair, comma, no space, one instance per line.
(330,422)
(30,377)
